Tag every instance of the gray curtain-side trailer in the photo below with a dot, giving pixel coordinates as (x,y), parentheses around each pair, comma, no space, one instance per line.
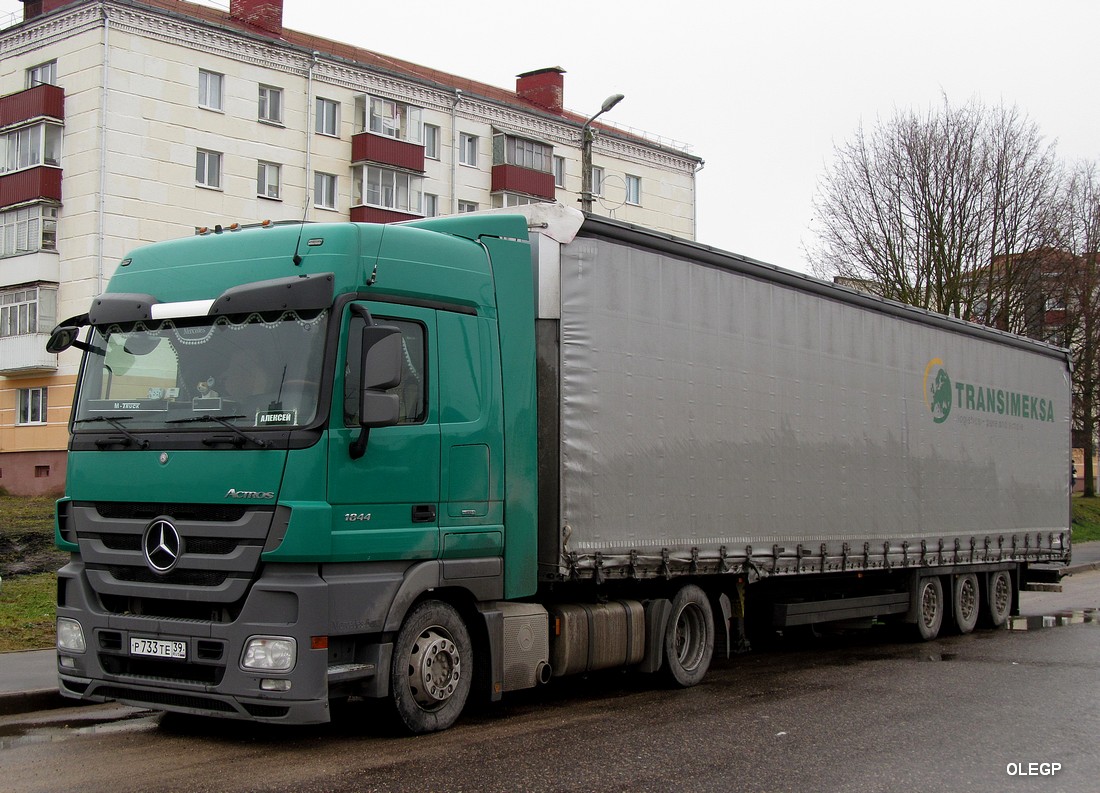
(703,414)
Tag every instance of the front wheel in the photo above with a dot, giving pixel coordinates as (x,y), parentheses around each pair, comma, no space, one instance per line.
(432,668)
(689,637)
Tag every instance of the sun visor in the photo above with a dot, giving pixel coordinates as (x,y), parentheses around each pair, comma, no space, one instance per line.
(299,293)
(120,307)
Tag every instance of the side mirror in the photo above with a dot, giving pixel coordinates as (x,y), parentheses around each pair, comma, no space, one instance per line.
(62,338)
(381,369)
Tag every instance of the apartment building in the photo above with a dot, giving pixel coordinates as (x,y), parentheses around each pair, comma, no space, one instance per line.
(124,122)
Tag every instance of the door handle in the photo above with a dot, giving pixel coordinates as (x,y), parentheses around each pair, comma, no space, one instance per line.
(423,513)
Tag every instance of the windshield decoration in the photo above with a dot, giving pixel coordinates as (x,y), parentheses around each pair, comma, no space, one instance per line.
(240,371)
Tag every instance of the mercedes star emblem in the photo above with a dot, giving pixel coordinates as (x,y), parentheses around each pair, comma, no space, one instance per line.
(162,546)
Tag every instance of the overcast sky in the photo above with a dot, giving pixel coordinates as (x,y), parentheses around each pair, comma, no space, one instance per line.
(760,90)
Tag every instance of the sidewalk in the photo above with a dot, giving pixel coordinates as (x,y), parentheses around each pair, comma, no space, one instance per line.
(28,680)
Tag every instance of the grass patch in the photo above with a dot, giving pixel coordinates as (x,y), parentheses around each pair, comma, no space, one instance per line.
(1086,519)
(27,612)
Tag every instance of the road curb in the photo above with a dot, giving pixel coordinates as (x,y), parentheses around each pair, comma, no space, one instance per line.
(27,701)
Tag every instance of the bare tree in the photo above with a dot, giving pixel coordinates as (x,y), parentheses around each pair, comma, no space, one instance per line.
(941,211)
(1076,294)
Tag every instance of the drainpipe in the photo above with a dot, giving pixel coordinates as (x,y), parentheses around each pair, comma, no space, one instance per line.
(101,199)
(454,152)
(309,128)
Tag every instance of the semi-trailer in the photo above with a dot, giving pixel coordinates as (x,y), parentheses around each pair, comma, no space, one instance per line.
(462,456)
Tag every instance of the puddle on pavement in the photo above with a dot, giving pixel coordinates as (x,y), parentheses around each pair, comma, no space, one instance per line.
(24,733)
(1056,620)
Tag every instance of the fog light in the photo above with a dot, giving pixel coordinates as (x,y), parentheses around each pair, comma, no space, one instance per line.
(276,653)
(271,684)
(68,662)
(70,636)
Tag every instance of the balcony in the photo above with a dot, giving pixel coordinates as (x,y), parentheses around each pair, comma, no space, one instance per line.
(26,355)
(42,101)
(516,179)
(29,268)
(30,184)
(368,147)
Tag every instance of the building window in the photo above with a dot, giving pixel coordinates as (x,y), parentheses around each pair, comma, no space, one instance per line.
(328,117)
(267,179)
(30,146)
(467,149)
(208,168)
(28,229)
(504,200)
(559,171)
(271,104)
(210,90)
(467,206)
(28,310)
(42,74)
(509,150)
(431,141)
(324,190)
(389,189)
(389,118)
(597,181)
(431,205)
(32,406)
(633,189)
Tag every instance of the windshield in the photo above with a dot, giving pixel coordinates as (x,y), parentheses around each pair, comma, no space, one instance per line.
(252,371)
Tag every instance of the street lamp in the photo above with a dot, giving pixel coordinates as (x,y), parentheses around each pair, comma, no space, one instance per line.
(587,136)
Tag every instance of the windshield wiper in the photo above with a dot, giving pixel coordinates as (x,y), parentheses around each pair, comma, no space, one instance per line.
(224,421)
(116,422)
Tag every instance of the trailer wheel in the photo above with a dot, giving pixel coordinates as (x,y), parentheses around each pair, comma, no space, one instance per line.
(689,637)
(929,608)
(432,668)
(965,603)
(998,599)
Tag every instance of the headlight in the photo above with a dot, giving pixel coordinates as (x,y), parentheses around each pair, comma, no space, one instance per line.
(70,636)
(270,653)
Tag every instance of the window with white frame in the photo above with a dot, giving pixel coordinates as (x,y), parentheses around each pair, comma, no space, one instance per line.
(597,181)
(271,104)
(431,205)
(42,74)
(208,168)
(324,190)
(467,206)
(467,149)
(431,141)
(388,117)
(210,89)
(30,146)
(559,171)
(32,406)
(267,179)
(386,188)
(27,310)
(328,117)
(633,189)
(28,229)
(504,200)
(524,153)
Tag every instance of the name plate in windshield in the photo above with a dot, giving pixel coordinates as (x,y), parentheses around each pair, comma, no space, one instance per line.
(127,405)
(274,418)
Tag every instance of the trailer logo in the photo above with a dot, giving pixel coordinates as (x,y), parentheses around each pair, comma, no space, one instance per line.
(941,395)
(162,545)
(937,391)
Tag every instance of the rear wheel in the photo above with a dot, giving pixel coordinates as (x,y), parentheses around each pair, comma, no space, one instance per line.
(689,637)
(432,668)
(998,599)
(929,608)
(965,603)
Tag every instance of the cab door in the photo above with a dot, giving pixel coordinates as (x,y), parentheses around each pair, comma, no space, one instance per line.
(385,505)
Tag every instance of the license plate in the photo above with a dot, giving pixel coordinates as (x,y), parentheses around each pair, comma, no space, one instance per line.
(158,648)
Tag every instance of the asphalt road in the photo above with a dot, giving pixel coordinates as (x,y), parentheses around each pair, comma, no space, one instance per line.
(863,712)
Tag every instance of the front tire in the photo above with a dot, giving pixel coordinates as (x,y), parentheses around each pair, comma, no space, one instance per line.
(689,637)
(432,668)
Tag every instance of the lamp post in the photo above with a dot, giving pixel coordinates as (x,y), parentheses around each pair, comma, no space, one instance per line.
(587,136)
